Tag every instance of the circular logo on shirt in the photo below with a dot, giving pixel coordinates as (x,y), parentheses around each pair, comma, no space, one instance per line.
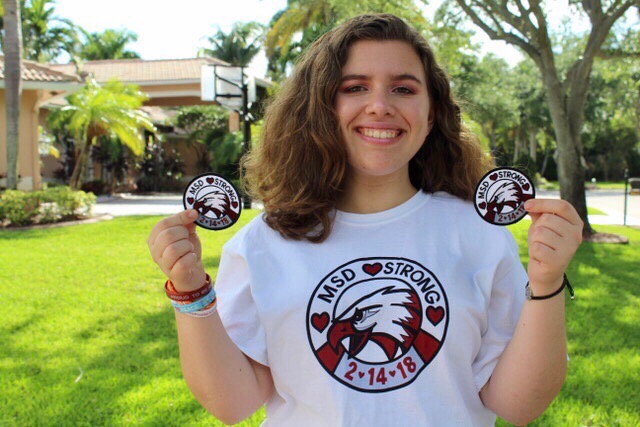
(374,324)
(501,194)
(216,200)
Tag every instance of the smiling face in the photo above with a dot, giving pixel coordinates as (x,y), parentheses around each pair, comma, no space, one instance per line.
(383,108)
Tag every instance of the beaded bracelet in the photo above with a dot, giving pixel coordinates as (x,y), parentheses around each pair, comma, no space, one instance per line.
(196,305)
(174,295)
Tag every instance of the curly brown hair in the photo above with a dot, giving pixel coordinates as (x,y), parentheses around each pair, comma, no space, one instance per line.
(299,168)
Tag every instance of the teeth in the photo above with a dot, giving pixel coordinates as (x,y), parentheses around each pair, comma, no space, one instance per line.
(379,133)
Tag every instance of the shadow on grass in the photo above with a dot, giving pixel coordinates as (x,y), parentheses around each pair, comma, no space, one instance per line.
(601,337)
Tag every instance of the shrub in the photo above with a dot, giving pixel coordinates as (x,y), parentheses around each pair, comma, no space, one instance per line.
(18,207)
(55,204)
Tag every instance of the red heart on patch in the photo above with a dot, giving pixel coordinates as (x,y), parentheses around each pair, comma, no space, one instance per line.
(210,180)
(482,205)
(493,176)
(234,205)
(361,374)
(435,314)
(372,269)
(190,200)
(392,373)
(320,321)
(525,187)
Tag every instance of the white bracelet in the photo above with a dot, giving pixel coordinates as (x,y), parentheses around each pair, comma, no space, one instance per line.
(203,313)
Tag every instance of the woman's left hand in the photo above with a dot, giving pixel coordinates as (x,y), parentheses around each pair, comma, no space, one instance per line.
(554,236)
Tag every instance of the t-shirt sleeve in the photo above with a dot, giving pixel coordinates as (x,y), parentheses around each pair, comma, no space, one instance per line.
(503,312)
(237,308)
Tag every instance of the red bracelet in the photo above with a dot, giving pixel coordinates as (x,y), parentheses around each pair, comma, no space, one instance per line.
(192,296)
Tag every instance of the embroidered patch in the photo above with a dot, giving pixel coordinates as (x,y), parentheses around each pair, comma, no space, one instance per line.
(375,324)
(216,200)
(501,194)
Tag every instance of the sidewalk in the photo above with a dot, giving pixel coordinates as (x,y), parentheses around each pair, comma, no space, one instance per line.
(610,202)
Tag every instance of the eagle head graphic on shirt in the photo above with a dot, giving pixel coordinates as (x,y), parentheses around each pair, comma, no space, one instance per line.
(380,324)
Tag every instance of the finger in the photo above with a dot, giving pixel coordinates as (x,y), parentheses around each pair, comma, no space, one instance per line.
(545,236)
(555,206)
(166,238)
(181,218)
(554,223)
(542,253)
(173,253)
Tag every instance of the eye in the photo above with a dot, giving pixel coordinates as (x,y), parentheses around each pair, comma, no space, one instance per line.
(363,314)
(404,90)
(353,89)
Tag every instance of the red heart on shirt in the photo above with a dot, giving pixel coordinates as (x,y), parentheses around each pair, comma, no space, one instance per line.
(525,187)
(372,269)
(320,321)
(435,314)
(234,205)
(392,373)
(190,200)
(361,374)
(482,205)
(210,180)
(493,176)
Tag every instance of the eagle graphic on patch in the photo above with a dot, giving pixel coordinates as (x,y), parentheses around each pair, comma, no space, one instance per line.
(501,194)
(216,200)
(375,324)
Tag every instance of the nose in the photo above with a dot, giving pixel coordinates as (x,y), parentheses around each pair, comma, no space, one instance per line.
(379,104)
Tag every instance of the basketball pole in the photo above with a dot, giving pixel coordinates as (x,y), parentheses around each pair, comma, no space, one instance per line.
(244,114)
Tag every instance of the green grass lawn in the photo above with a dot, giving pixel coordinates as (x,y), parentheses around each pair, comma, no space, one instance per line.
(87,336)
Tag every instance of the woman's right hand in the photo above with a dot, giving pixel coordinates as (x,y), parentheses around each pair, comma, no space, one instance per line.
(175,247)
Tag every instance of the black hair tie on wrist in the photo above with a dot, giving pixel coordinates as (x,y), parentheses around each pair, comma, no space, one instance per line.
(565,282)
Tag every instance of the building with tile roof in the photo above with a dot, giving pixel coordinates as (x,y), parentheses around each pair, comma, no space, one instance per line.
(41,85)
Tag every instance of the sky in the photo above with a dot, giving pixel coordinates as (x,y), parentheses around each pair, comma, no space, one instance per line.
(180,28)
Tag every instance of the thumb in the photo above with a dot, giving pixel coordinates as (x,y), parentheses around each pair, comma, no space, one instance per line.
(189,216)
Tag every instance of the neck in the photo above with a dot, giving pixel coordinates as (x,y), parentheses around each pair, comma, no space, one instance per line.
(375,194)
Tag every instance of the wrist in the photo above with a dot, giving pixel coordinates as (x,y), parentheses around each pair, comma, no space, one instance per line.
(532,294)
(196,281)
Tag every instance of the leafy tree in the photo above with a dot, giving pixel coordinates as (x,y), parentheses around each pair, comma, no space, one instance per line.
(294,28)
(44,35)
(110,44)
(113,109)
(13,86)
(238,47)
(524,24)
(207,125)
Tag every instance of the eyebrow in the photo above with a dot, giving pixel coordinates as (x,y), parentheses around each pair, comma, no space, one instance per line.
(395,77)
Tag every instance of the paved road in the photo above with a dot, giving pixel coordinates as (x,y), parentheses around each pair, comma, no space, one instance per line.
(610,202)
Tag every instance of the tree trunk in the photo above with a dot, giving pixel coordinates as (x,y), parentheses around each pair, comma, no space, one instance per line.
(81,162)
(533,144)
(571,172)
(13,86)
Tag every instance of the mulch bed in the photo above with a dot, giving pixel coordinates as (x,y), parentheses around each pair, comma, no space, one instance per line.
(607,238)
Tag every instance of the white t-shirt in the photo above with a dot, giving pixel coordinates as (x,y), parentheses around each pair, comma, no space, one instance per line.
(397,319)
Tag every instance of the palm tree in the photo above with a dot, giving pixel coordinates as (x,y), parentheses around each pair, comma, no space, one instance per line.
(110,44)
(44,36)
(13,85)
(112,109)
(239,46)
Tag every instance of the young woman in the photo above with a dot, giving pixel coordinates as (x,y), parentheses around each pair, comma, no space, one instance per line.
(369,291)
